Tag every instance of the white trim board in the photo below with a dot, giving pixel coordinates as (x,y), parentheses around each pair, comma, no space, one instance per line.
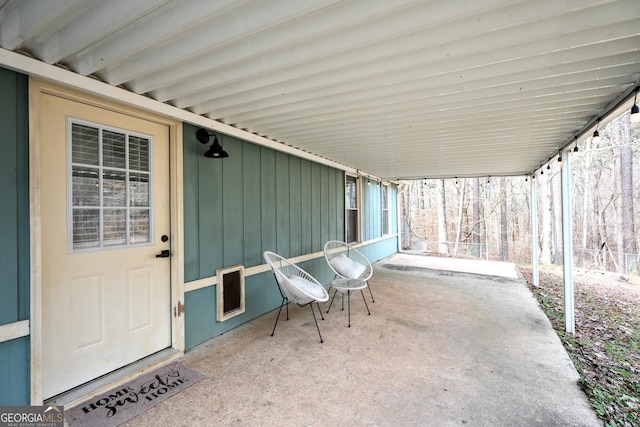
(250,271)
(14,330)
(35,68)
(36,88)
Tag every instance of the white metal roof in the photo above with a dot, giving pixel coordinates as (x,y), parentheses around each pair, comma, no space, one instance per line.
(397,88)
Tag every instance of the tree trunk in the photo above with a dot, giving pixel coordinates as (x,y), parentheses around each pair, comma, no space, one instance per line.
(617,229)
(484,223)
(476,217)
(460,212)
(504,226)
(556,197)
(626,194)
(545,205)
(586,197)
(598,235)
(443,241)
(406,232)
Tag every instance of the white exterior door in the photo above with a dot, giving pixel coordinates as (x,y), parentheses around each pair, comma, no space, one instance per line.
(105,216)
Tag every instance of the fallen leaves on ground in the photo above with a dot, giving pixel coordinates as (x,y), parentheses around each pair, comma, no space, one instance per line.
(606,346)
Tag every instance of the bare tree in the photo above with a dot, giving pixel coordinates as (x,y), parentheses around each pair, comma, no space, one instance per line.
(545,206)
(443,241)
(622,135)
(476,216)
(492,217)
(405,215)
(555,183)
(586,197)
(461,194)
(504,226)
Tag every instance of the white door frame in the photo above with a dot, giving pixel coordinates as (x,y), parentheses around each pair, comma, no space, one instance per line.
(36,87)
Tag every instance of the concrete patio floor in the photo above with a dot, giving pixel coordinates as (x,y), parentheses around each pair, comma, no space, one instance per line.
(441,348)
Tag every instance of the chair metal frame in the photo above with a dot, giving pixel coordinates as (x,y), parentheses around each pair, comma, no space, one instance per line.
(283,270)
(334,248)
(342,289)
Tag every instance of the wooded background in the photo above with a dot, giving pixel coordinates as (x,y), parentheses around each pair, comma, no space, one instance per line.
(490,217)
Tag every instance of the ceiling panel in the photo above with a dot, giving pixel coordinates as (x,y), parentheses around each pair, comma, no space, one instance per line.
(400,89)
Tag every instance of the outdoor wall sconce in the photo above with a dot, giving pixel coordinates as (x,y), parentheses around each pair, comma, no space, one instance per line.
(596,135)
(635,111)
(215,151)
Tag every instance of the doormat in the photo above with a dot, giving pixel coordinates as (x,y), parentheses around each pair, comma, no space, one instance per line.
(133,398)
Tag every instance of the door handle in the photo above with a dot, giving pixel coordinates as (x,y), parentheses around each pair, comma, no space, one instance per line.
(164,254)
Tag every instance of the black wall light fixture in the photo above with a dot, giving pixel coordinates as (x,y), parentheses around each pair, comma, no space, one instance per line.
(596,135)
(635,111)
(215,151)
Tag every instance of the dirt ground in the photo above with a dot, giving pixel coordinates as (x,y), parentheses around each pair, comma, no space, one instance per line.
(606,346)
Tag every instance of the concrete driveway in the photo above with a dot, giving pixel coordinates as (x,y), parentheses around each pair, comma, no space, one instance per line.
(442,347)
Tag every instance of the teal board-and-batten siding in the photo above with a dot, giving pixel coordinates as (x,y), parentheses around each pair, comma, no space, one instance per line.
(236,208)
(14,228)
(376,245)
(261,295)
(372,209)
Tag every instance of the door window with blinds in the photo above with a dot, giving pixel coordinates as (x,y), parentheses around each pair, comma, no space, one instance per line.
(110,184)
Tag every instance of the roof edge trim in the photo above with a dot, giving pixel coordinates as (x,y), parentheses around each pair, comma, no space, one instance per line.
(33,67)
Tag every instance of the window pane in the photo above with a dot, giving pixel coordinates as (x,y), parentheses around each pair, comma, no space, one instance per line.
(138,153)
(84,143)
(115,231)
(351,202)
(113,188)
(351,193)
(385,210)
(385,221)
(138,190)
(110,187)
(139,226)
(86,228)
(352,226)
(85,187)
(113,149)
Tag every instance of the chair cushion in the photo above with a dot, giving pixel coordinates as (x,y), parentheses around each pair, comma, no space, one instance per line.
(308,287)
(347,267)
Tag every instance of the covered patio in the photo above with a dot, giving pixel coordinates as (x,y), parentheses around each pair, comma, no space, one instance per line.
(326,95)
(440,348)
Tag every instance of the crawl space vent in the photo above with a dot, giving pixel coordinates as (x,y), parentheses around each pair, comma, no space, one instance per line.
(230,292)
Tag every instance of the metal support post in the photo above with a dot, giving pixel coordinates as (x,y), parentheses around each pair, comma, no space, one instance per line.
(567,243)
(535,250)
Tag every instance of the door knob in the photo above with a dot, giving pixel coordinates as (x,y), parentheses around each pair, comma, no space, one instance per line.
(164,254)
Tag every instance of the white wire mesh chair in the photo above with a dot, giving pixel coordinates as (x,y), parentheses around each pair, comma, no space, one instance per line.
(297,286)
(348,263)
